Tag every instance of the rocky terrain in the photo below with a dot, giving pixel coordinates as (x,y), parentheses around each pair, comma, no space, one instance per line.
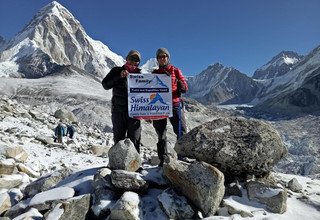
(41,179)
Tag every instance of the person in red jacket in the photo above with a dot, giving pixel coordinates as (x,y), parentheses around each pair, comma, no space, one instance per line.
(179,85)
(116,79)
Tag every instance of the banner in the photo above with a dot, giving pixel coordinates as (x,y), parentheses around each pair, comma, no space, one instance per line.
(149,96)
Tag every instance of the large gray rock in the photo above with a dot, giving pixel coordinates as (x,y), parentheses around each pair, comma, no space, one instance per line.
(294,185)
(236,145)
(17,153)
(46,182)
(274,197)
(200,182)
(128,181)
(124,156)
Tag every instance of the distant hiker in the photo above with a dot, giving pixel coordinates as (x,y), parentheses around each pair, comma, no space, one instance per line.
(179,85)
(116,79)
(70,131)
(59,132)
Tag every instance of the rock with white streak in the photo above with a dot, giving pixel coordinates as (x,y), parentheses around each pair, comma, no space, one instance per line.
(102,179)
(127,207)
(102,202)
(29,215)
(273,196)
(128,181)
(73,208)
(51,195)
(175,206)
(46,182)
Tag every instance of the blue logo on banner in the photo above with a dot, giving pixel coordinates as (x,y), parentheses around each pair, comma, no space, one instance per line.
(156,81)
(155,98)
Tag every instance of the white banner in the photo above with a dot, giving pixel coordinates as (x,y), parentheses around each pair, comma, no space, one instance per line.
(149,96)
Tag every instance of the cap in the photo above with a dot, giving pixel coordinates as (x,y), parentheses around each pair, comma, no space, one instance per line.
(163,50)
(134,55)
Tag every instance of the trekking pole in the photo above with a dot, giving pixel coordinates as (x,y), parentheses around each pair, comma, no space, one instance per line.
(179,118)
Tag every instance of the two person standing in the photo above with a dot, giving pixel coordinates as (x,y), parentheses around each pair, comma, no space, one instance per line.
(60,131)
(123,125)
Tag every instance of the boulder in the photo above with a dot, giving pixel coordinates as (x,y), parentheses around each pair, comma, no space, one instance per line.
(17,153)
(237,146)
(294,185)
(273,196)
(46,182)
(124,156)
(200,182)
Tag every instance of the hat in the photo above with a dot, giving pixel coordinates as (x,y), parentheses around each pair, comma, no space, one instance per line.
(163,50)
(134,53)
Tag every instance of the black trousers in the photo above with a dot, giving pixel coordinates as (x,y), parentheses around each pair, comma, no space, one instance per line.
(161,129)
(126,127)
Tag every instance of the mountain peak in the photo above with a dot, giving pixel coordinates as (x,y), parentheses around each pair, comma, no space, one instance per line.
(54,37)
(53,8)
(284,55)
(278,65)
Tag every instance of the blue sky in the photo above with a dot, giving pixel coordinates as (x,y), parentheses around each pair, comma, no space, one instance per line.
(244,34)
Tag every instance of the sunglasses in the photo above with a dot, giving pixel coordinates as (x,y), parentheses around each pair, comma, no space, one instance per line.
(132,63)
(134,58)
(162,56)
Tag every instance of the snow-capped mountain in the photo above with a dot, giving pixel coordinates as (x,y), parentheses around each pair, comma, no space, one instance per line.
(278,65)
(296,91)
(55,38)
(149,66)
(219,84)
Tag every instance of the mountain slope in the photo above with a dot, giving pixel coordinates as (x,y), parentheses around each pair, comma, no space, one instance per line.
(55,38)
(222,85)
(296,91)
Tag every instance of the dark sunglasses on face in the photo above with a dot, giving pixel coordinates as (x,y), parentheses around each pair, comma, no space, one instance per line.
(134,59)
(132,63)
(162,56)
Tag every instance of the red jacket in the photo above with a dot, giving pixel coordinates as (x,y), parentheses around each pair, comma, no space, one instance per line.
(176,75)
